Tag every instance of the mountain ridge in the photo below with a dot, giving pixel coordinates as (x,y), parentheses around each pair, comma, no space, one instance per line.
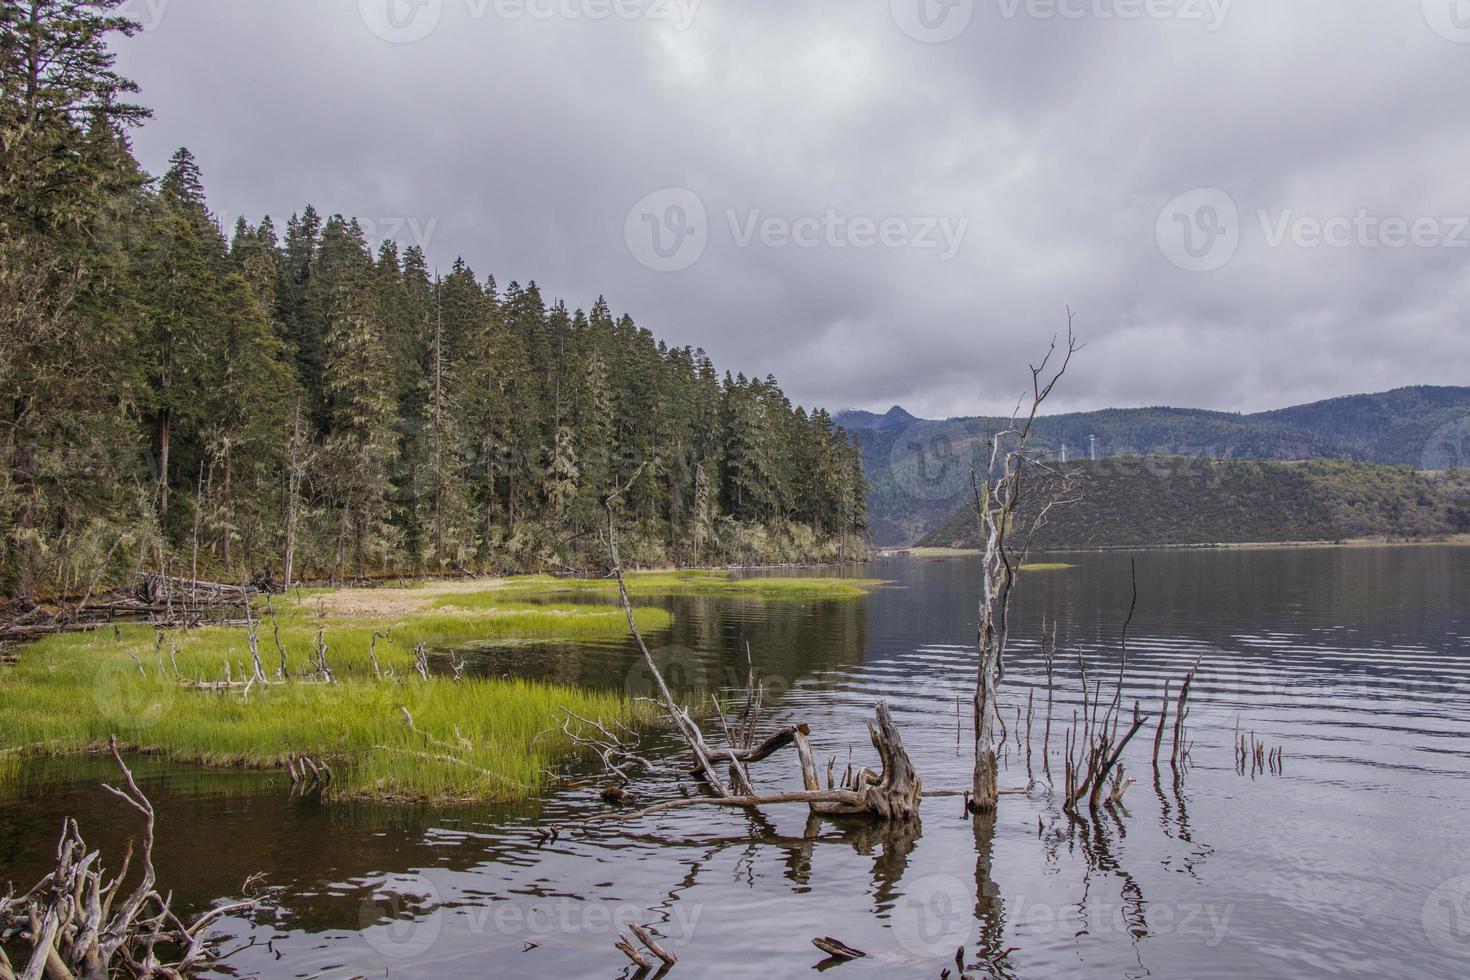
(1181,501)
(917,469)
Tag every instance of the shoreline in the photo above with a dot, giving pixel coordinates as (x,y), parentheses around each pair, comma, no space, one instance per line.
(356,681)
(1456,540)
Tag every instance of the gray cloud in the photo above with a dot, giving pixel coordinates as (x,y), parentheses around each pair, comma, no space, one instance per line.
(522,142)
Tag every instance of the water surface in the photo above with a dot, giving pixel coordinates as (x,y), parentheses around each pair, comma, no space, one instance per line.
(1351,863)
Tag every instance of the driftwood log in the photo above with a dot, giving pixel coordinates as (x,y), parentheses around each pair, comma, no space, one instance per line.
(892,794)
(81,926)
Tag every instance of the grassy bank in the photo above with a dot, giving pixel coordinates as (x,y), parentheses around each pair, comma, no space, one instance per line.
(1035,566)
(699,582)
(477,740)
(480,739)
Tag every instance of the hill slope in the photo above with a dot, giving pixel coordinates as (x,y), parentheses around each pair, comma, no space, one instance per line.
(918,470)
(1181,501)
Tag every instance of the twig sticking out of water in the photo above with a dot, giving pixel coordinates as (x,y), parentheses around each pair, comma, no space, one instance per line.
(77,927)
(1254,755)
(837,949)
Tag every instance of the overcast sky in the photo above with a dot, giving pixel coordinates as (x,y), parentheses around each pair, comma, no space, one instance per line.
(1249,204)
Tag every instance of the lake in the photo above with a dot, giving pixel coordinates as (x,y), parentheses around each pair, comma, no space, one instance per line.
(1350,862)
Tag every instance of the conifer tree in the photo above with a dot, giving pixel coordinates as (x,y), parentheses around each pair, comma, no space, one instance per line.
(306,403)
(357,385)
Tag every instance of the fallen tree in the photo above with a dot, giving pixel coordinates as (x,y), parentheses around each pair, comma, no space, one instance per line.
(894,793)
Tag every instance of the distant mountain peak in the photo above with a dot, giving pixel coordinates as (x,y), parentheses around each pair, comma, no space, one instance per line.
(856,418)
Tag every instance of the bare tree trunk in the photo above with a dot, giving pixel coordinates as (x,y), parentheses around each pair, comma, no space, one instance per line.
(359,535)
(293,500)
(228,516)
(510,500)
(489,496)
(1008,538)
(164,426)
(341,557)
(985,778)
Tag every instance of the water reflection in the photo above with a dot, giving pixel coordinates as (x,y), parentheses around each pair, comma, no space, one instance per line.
(1355,661)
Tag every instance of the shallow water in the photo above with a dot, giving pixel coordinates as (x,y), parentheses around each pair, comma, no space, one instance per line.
(1350,863)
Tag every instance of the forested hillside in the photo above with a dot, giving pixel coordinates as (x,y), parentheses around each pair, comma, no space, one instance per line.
(918,469)
(288,400)
(1148,501)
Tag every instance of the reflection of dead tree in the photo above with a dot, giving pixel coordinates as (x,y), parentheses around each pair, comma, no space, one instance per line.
(77,925)
(892,794)
(999,494)
(1179,757)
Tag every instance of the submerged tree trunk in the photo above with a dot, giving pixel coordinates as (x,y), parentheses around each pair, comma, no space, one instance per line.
(1007,536)
(985,787)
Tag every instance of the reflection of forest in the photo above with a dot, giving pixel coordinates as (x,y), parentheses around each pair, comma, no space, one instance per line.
(216,828)
(788,639)
(911,643)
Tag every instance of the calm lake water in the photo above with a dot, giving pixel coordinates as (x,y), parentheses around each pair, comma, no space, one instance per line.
(1351,863)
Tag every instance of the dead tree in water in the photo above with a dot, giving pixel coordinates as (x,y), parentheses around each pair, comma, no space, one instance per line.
(1007,535)
(78,925)
(893,794)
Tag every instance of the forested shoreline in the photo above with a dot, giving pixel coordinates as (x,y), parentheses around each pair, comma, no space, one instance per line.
(292,404)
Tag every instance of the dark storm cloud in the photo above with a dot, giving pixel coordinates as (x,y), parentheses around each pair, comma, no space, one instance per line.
(812,167)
